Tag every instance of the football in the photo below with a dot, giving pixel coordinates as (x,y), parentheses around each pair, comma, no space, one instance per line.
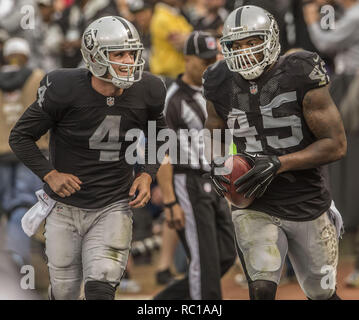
(239,166)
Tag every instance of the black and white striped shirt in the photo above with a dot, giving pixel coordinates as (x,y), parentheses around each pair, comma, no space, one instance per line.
(185,112)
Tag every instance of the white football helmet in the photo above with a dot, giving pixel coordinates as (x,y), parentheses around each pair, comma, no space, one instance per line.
(244,22)
(107,34)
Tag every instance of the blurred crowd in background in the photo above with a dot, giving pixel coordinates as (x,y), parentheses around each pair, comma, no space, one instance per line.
(38,36)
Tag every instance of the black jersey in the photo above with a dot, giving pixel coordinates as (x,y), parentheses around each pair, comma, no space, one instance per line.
(265,117)
(87,133)
(185,112)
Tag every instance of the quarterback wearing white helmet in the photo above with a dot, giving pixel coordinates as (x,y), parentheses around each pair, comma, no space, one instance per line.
(106,35)
(88,182)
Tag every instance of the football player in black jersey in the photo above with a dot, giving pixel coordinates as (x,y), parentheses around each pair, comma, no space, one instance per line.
(88,112)
(284,122)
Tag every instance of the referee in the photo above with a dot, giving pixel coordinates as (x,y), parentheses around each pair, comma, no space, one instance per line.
(201,217)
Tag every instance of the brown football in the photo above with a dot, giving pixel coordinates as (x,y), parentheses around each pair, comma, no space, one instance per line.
(240,166)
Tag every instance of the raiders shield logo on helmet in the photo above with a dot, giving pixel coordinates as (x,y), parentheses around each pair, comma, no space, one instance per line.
(88,39)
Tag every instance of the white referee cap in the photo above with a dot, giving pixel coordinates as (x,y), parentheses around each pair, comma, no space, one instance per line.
(16,45)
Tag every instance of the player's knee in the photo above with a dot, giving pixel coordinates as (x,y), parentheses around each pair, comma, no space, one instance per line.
(107,270)
(262,290)
(98,290)
(64,290)
(314,293)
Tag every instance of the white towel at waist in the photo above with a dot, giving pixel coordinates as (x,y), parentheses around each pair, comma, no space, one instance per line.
(36,214)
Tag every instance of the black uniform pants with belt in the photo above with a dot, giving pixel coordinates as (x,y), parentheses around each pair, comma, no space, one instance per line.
(208,238)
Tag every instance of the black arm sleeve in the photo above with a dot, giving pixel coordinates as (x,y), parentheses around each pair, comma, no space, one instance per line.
(42,115)
(33,124)
(155,113)
(173,114)
(216,87)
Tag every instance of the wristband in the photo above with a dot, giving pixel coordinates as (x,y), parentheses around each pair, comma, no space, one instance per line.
(171,204)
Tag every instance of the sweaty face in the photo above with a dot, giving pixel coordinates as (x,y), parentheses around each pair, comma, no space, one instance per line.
(124,57)
(248,43)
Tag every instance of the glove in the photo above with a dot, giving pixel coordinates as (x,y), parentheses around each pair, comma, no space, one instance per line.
(217,167)
(255,181)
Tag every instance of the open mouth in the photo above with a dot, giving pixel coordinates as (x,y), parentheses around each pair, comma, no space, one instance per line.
(247,65)
(124,71)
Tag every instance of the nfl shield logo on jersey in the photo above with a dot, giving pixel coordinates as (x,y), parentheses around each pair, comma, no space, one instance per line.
(211,43)
(253,89)
(110,101)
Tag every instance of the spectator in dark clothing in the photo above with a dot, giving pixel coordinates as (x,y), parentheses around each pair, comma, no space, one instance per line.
(215,16)
(142,12)
(73,22)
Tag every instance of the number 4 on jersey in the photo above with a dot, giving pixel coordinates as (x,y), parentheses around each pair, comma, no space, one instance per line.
(110,149)
(41,92)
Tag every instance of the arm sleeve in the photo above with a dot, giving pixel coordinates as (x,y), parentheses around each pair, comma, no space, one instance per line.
(173,114)
(155,113)
(34,123)
(215,87)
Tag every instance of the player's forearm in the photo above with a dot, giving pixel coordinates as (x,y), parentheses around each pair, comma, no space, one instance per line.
(214,135)
(165,181)
(319,153)
(152,146)
(213,148)
(27,151)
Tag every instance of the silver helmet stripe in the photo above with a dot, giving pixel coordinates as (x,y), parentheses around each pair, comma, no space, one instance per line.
(123,21)
(239,16)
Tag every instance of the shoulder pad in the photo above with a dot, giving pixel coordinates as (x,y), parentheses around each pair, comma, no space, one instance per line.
(298,58)
(155,89)
(307,71)
(307,67)
(61,84)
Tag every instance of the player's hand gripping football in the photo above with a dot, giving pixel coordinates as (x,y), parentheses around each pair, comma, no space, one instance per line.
(217,173)
(63,184)
(255,181)
(142,184)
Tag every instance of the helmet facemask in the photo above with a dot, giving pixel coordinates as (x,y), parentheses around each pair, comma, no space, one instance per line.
(134,71)
(241,60)
(100,64)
